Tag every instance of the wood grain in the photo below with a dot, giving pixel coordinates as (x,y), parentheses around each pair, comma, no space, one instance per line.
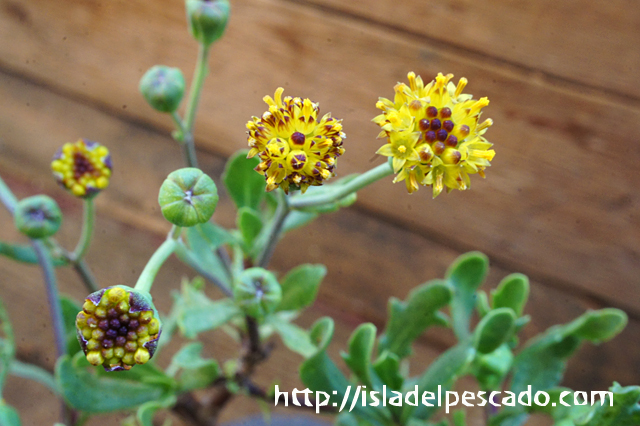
(559,204)
(568,42)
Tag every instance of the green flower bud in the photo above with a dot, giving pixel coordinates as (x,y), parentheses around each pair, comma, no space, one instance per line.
(118,327)
(163,88)
(188,197)
(38,216)
(257,292)
(207,19)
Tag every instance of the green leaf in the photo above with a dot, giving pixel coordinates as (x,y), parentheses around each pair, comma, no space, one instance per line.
(387,367)
(94,394)
(624,412)
(197,313)
(444,372)
(409,319)
(293,337)
(512,292)
(70,310)
(494,329)
(491,369)
(360,350)
(543,361)
(465,275)
(250,225)
(202,248)
(8,415)
(320,374)
(25,253)
(245,186)
(147,410)
(7,346)
(459,418)
(300,286)
(295,219)
(35,373)
(197,372)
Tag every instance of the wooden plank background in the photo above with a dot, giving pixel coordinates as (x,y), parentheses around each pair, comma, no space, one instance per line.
(559,204)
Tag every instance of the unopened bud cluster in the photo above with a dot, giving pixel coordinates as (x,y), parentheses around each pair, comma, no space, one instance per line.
(117,329)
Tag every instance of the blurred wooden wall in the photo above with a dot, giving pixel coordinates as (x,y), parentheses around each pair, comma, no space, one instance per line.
(560,202)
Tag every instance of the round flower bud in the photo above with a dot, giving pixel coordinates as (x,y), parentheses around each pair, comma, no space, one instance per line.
(83,168)
(188,197)
(207,19)
(163,88)
(118,327)
(257,292)
(38,216)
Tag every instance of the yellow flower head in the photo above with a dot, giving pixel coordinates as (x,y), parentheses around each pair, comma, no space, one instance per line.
(434,135)
(83,168)
(296,147)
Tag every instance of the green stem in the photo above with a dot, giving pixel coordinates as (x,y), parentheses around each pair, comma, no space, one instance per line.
(341,191)
(179,136)
(199,75)
(53,296)
(35,373)
(8,348)
(154,264)
(87,231)
(86,275)
(273,232)
(7,198)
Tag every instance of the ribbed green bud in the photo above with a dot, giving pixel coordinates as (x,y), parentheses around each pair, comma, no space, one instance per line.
(118,327)
(188,197)
(207,20)
(163,88)
(257,292)
(38,216)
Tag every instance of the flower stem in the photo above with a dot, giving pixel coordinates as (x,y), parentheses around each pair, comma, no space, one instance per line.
(53,296)
(7,198)
(154,264)
(186,127)
(87,231)
(86,275)
(274,230)
(341,191)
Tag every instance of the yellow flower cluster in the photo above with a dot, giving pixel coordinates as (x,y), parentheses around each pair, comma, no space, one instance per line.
(84,167)
(296,146)
(434,137)
(113,334)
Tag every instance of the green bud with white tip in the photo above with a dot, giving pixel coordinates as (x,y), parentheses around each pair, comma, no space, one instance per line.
(188,197)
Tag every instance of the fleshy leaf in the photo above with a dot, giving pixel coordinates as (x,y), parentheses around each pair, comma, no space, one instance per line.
(147,410)
(202,249)
(543,361)
(409,319)
(624,412)
(300,286)
(360,350)
(245,186)
(98,394)
(387,367)
(250,225)
(465,275)
(197,313)
(197,372)
(8,415)
(512,292)
(293,337)
(444,372)
(494,329)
